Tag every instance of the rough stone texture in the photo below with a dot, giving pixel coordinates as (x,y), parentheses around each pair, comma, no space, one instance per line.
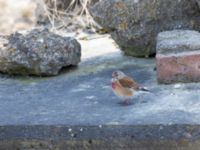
(38,52)
(135,24)
(198,1)
(178,56)
(152,137)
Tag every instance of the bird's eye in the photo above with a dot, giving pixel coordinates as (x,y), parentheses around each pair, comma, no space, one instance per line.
(114,74)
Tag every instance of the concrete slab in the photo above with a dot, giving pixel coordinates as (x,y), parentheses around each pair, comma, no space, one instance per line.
(82,98)
(183,137)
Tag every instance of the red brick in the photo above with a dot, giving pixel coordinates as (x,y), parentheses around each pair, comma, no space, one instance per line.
(178,56)
(182,67)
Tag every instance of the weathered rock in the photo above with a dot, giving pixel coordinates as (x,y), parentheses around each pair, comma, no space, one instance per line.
(38,52)
(134,24)
(178,56)
(198,1)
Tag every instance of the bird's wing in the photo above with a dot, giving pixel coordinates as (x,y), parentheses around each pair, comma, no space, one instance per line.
(129,83)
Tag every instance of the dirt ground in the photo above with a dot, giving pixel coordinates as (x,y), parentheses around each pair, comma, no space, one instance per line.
(16,15)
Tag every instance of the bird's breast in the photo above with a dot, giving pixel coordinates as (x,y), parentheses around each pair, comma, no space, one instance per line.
(114,86)
(121,91)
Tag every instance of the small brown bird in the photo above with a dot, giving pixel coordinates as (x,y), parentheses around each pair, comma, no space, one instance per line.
(125,87)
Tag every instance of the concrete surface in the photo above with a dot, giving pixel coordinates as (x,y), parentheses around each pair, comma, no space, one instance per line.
(154,137)
(45,108)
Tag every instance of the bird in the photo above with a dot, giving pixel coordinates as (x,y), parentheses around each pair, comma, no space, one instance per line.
(125,87)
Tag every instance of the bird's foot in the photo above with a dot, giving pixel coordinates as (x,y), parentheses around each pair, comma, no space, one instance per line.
(144,102)
(125,103)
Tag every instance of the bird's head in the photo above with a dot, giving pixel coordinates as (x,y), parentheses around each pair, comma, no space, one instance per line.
(118,74)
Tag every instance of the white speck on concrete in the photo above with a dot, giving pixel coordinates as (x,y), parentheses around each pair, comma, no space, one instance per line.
(69,130)
(90,97)
(177,86)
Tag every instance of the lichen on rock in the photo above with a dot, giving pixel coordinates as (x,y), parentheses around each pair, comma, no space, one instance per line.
(135,24)
(37,52)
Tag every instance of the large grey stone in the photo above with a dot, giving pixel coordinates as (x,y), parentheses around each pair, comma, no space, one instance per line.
(198,1)
(38,52)
(134,24)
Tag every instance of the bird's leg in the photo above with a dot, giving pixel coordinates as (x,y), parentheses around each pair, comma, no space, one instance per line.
(126,102)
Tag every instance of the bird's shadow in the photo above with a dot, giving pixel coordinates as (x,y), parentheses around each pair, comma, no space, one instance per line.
(131,103)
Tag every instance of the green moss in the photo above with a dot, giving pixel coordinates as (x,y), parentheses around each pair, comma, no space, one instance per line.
(29,80)
(136,51)
(25,75)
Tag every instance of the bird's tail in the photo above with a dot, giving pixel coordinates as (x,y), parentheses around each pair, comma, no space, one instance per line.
(143,89)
